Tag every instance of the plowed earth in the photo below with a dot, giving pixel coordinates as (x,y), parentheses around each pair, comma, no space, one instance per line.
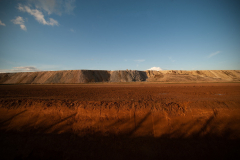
(120,121)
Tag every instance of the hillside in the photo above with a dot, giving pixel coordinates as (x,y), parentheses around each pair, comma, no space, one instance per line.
(194,76)
(86,76)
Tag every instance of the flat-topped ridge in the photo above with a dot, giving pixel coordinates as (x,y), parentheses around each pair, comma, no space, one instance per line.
(87,76)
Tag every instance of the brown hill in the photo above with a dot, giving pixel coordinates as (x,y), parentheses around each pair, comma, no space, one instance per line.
(86,76)
(194,76)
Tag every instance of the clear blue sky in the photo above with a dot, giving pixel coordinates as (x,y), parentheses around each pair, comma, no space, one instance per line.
(119,34)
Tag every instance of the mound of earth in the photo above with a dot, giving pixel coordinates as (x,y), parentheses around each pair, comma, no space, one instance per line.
(86,76)
(194,76)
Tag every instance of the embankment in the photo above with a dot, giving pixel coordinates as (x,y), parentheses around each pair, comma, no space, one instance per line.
(86,76)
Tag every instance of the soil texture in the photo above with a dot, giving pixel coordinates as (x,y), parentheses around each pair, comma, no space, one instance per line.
(120,121)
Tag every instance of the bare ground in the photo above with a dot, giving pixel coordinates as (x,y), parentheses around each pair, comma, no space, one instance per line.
(120,121)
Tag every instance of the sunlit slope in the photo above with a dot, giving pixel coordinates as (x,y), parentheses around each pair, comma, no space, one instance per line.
(193,76)
(86,76)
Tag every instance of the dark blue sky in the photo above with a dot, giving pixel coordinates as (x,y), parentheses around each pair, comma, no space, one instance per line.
(119,34)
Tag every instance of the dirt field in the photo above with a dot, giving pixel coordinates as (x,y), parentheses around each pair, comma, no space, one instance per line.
(120,121)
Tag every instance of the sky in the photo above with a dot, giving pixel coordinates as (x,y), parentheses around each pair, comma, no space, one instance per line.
(50,35)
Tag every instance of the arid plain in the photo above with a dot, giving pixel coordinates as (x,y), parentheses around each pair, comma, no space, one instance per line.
(134,120)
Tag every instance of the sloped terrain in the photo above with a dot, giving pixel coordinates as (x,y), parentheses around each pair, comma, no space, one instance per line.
(194,76)
(54,77)
(127,76)
(86,76)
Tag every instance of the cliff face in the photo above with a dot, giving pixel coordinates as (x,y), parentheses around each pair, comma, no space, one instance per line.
(86,76)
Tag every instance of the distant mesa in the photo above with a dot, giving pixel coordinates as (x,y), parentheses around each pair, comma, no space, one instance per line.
(154,74)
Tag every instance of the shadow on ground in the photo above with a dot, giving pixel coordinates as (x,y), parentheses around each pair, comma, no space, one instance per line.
(47,143)
(15,145)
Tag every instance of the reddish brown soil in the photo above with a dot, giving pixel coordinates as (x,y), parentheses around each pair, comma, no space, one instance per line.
(120,121)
